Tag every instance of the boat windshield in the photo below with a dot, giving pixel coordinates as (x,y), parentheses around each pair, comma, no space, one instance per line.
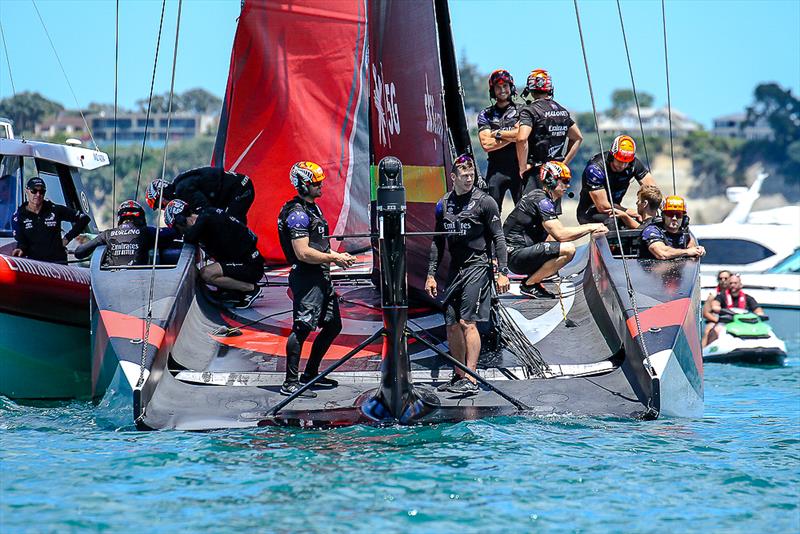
(789,265)
(10,196)
(733,251)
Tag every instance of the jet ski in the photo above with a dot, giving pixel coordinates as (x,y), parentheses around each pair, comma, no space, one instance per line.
(745,338)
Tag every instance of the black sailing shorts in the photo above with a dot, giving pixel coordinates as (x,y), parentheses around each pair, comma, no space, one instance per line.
(528,260)
(468,295)
(315,303)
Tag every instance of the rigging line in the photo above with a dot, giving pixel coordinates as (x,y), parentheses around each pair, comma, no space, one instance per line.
(160,196)
(116,95)
(8,61)
(633,84)
(629,283)
(150,99)
(669,101)
(64,72)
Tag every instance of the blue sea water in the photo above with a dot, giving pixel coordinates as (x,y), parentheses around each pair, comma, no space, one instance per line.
(737,469)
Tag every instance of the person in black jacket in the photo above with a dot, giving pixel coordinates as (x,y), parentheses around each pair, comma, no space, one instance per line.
(546,130)
(37,226)
(131,241)
(474,218)
(238,264)
(206,187)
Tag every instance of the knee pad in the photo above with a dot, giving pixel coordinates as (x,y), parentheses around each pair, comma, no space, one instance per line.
(301,331)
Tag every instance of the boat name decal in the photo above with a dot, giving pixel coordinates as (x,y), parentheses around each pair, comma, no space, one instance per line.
(50,270)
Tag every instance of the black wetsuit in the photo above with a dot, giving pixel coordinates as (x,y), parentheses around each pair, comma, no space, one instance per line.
(503,172)
(475,213)
(654,232)
(594,179)
(38,235)
(127,244)
(548,141)
(229,242)
(214,187)
(526,236)
(314,300)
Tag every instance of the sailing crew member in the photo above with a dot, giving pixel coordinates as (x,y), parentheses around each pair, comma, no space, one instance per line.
(207,186)
(668,237)
(37,225)
(712,318)
(623,166)
(474,214)
(131,241)
(497,131)
(732,297)
(534,222)
(546,130)
(238,265)
(303,233)
(648,202)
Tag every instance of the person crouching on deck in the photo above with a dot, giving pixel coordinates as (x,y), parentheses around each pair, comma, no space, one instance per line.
(303,233)
(538,244)
(475,216)
(238,265)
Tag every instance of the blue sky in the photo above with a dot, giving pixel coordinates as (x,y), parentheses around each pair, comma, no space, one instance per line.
(718,50)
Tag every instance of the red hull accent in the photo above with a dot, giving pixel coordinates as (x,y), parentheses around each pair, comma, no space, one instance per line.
(47,291)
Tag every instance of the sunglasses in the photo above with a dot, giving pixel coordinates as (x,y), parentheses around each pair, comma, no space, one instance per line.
(673,214)
(37,191)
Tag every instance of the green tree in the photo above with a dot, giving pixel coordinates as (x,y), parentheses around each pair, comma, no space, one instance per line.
(622,99)
(474,84)
(200,101)
(779,108)
(27,108)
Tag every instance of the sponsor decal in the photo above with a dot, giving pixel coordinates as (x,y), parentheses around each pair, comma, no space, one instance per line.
(385,106)
(433,118)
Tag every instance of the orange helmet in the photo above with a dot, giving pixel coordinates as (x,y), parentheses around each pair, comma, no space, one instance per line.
(552,171)
(623,148)
(539,80)
(305,173)
(674,203)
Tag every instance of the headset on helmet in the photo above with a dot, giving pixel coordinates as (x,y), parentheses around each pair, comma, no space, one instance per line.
(175,213)
(539,81)
(132,210)
(623,148)
(552,171)
(154,191)
(305,173)
(501,75)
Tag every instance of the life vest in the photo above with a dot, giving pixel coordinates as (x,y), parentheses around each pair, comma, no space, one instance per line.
(741,301)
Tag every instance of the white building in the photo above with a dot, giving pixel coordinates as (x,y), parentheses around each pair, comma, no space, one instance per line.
(655,122)
(733,125)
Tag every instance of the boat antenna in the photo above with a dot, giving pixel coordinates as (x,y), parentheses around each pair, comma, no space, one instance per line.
(633,84)
(669,101)
(64,72)
(8,61)
(629,283)
(116,101)
(149,319)
(150,98)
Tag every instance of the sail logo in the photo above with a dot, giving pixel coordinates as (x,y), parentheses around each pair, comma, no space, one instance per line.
(433,119)
(385,107)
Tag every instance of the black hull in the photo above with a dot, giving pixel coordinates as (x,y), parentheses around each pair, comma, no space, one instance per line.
(759,356)
(195,380)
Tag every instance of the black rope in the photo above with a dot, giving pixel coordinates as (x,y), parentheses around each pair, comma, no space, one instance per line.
(8,61)
(628,281)
(633,85)
(150,98)
(669,101)
(116,104)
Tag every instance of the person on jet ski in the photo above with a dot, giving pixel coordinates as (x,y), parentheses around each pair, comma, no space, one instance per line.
(668,237)
(710,317)
(733,297)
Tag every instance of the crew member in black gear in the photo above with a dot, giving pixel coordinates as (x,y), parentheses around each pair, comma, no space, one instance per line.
(532,221)
(238,265)
(303,233)
(623,166)
(37,226)
(668,237)
(207,186)
(546,130)
(131,241)
(474,215)
(497,131)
